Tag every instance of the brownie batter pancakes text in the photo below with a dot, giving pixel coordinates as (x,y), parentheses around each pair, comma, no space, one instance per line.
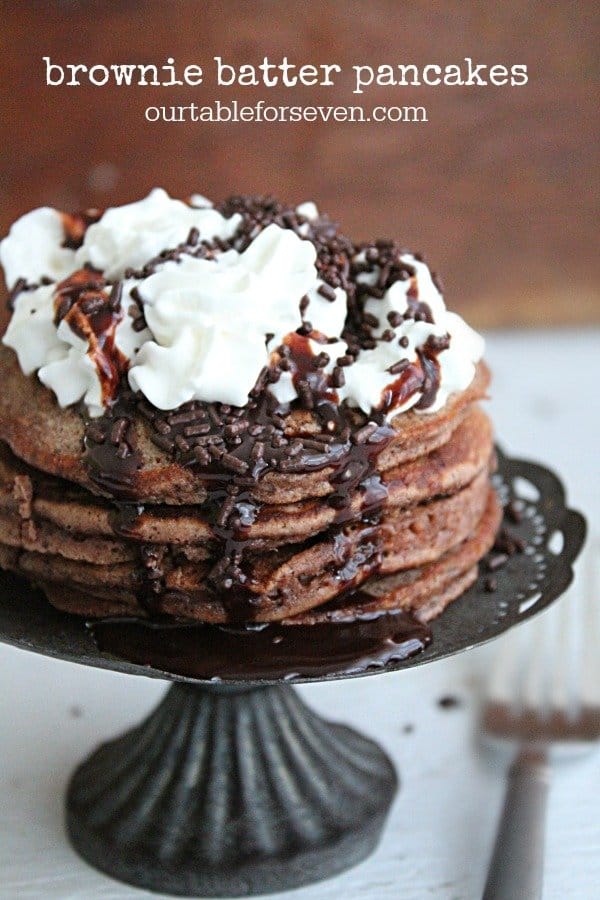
(267,73)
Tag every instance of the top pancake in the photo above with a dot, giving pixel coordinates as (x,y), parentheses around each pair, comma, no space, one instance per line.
(52,439)
(27,493)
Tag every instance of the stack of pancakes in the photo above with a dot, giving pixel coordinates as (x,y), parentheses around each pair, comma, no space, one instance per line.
(388,517)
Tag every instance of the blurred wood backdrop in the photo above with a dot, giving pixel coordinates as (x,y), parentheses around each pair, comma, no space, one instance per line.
(499,189)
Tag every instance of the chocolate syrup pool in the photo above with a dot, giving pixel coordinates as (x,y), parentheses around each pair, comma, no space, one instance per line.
(282,652)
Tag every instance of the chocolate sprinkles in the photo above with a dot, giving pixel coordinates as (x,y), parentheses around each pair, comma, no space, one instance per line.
(230,449)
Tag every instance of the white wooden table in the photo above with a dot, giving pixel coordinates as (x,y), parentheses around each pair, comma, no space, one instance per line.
(439,835)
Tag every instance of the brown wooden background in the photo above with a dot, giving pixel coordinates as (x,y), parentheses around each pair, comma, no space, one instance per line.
(499,189)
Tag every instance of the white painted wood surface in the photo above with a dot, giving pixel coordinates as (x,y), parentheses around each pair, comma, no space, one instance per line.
(441,828)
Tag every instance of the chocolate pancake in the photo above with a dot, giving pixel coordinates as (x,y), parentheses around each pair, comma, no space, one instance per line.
(72,509)
(52,439)
(286,581)
(425,591)
(43,537)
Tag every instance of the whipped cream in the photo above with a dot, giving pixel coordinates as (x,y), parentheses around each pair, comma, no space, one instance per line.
(33,248)
(214,323)
(129,236)
(126,237)
(210,319)
(369,376)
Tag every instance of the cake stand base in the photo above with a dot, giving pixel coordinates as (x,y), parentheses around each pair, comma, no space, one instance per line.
(230,791)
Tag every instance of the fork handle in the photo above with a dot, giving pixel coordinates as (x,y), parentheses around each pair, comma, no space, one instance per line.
(517,865)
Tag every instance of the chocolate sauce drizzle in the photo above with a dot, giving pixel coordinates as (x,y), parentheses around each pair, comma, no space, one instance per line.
(76,224)
(264,652)
(93,312)
(231,449)
(111,452)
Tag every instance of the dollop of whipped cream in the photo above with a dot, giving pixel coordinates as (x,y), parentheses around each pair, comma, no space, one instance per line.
(210,319)
(34,248)
(129,236)
(213,319)
(63,359)
(369,376)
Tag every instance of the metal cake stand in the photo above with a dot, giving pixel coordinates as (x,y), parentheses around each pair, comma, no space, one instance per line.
(236,788)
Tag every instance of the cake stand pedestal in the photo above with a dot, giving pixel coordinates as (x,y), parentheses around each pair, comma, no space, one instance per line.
(235,787)
(228,791)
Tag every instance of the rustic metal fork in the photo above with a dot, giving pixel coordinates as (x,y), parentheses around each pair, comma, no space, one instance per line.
(543,694)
